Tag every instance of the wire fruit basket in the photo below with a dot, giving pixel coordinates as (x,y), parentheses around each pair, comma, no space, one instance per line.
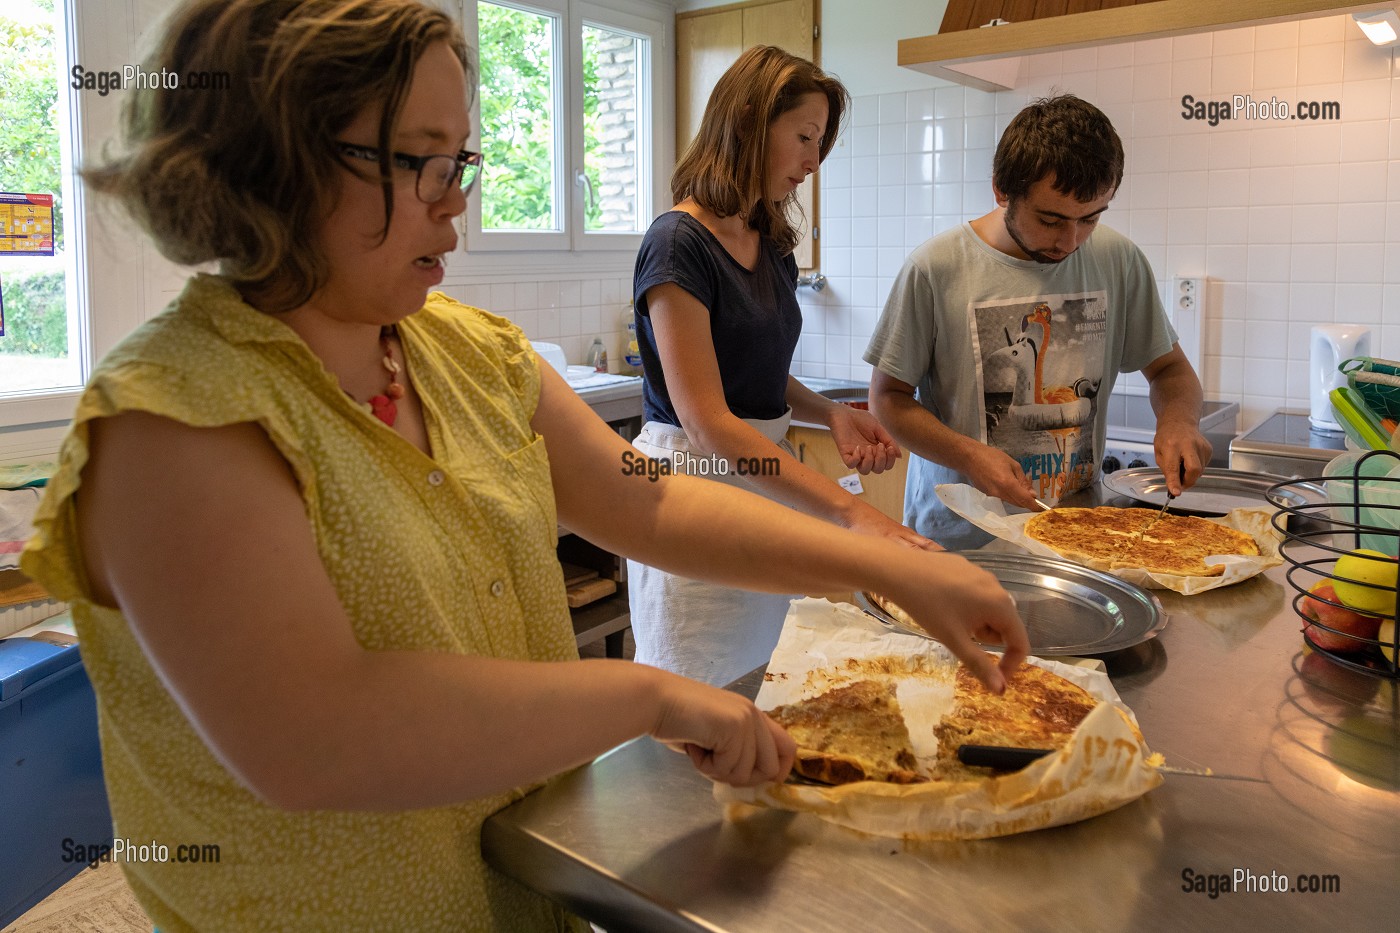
(1360,512)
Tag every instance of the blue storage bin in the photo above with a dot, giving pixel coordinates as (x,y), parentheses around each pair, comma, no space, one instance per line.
(51,786)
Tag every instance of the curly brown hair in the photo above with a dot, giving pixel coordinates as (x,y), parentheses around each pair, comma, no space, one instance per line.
(245,176)
(723,167)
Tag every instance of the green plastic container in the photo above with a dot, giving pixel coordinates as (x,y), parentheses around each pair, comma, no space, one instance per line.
(1357,419)
(1377,382)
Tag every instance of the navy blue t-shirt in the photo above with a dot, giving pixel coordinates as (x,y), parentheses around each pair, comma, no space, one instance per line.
(754,317)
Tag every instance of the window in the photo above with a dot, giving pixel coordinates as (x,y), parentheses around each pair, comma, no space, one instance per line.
(105,278)
(40,343)
(54,328)
(565,114)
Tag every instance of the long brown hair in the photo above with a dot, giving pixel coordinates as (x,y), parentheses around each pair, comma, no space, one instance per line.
(245,175)
(723,169)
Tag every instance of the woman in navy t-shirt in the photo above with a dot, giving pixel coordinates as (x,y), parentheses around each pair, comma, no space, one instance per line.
(717,324)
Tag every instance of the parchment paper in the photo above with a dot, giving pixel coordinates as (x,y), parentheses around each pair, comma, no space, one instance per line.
(824,645)
(989,514)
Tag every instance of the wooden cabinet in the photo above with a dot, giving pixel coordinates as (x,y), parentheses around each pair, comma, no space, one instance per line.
(885,491)
(598,605)
(987,59)
(972,14)
(595,579)
(709,41)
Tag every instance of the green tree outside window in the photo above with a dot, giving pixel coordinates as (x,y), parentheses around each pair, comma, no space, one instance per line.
(36,314)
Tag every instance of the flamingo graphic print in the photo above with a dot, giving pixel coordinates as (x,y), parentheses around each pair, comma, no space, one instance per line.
(1039,366)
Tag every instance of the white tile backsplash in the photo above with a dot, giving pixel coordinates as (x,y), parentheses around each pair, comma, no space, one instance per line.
(570,313)
(1294,222)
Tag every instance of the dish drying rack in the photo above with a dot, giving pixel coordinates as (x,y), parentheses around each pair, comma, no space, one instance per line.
(1337,527)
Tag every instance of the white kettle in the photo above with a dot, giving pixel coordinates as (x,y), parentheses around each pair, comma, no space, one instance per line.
(1332,345)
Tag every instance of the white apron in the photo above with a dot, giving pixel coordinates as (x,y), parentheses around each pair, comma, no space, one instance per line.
(711,633)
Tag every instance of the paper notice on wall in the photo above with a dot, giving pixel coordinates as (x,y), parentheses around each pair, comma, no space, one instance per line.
(26,224)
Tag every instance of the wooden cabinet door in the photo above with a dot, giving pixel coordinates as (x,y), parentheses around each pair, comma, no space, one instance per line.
(705,48)
(789,25)
(708,42)
(885,491)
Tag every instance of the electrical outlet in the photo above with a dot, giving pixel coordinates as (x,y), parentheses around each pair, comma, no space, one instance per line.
(1187,293)
(1186,308)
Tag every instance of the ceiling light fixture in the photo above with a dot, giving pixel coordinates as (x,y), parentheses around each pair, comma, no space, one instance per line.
(1382,27)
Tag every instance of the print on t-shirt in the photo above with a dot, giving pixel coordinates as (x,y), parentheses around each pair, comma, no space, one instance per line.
(1039,365)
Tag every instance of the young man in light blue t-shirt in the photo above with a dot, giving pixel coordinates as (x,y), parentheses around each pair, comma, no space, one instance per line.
(1013,328)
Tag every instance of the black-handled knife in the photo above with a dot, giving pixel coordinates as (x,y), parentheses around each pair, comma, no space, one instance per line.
(1008,758)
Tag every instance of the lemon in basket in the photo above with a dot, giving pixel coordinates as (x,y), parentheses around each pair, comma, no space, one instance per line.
(1387,639)
(1361,567)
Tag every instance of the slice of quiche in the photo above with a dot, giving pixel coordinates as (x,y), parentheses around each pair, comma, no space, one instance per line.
(1038,710)
(851,733)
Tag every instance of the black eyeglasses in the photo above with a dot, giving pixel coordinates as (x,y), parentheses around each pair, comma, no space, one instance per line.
(436,173)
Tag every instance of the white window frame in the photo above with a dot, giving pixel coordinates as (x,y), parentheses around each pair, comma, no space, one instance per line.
(640,18)
(119,279)
(648,31)
(104,257)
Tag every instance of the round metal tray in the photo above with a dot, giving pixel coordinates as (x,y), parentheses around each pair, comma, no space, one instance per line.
(1216,492)
(1068,610)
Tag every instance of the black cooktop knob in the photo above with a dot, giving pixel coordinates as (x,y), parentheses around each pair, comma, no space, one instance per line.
(1139,462)
(1111,465)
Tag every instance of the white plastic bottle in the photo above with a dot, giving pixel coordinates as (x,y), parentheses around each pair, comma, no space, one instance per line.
(598,356)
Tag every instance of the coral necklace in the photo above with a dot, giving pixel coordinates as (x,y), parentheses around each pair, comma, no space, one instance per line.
(384,406)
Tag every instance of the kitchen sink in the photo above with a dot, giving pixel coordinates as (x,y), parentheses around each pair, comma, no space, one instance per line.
(838,390)
(846,393)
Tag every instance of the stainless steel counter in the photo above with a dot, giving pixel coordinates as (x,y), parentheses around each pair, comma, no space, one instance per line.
(636,842)
(617,402)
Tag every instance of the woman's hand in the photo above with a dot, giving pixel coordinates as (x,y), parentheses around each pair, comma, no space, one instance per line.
(959,603)
(727,738)
(864,444)
(866,519)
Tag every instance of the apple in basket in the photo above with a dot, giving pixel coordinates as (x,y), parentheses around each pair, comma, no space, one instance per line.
(1332,686)
(1344,620)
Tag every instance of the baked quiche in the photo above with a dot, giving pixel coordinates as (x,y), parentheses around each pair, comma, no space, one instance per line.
(857,732)
(851,733)
(1171,544)
(1038,710)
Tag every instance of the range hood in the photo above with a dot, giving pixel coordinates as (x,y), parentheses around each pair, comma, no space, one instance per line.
(989,58)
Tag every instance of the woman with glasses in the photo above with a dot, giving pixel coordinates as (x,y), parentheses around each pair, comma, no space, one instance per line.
(717,324)
(306,516)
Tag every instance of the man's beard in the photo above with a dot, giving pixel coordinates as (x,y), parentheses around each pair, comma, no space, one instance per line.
(1037,255)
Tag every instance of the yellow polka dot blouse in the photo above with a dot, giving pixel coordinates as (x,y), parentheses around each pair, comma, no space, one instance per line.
(451,553)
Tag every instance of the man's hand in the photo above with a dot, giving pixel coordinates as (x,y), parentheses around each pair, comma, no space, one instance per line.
(864,444)
(996,474)
(1175,391)
(1182,452)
